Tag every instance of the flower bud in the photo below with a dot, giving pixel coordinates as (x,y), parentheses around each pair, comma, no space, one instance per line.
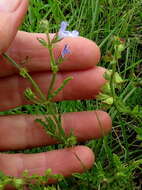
(48,172)
(117,78)
(18,183)
(29,94)
(106,88)
(44,26)
(121,47)
(107,75)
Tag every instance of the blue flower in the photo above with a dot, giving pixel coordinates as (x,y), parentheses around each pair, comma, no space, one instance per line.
(65,33)
(65,51)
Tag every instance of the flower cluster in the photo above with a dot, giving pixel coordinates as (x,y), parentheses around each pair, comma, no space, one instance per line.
(65,33)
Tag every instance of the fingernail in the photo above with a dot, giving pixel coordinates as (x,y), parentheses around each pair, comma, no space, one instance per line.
(9,5)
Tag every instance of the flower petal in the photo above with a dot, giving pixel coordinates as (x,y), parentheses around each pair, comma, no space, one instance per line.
(75,33)
(64,25)
(65,51)
(65,33)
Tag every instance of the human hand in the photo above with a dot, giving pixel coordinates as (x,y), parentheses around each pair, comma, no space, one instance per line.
(21,132)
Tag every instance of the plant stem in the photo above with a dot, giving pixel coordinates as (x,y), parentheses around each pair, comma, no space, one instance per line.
(27,76)
(11,61)
(50,48)
(36,87)
(51,85)
(54,67)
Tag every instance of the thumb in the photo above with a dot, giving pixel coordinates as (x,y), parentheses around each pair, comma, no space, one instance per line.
(11,16)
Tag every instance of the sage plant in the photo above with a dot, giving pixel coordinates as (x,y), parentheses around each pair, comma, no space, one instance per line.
(52,118)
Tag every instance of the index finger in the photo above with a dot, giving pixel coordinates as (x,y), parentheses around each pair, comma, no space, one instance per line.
(84,54)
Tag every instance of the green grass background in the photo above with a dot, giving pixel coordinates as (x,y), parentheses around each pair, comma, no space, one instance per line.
(118,154)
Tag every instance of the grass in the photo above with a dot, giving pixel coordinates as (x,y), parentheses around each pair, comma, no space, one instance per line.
(118,155)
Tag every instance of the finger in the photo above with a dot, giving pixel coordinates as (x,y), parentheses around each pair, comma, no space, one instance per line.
(21,132)
(63,161)
(84,85)
(84,54)
(11,14)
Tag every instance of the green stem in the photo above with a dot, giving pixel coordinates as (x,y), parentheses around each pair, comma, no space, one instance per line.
(35,85)
(51,85)
(112,83)
(60,136)
(50,48)
(11,61)
(52,56)
(53,65)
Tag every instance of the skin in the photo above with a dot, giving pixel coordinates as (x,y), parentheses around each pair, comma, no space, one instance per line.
(21,132)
